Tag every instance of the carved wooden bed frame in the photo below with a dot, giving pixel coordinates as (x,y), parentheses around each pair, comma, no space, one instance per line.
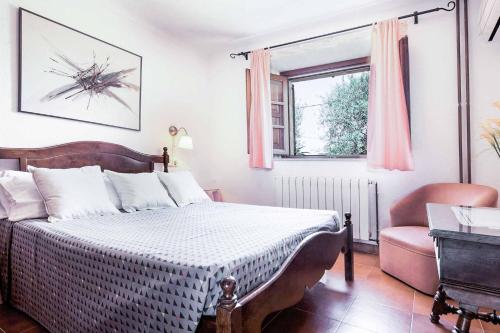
(302,269)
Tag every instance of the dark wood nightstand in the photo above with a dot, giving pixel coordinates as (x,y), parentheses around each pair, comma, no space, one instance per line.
(215,194)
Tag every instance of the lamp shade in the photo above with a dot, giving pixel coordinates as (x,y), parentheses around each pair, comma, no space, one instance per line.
(185,142)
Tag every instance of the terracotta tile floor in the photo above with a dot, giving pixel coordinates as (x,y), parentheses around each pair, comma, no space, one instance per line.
(374,302)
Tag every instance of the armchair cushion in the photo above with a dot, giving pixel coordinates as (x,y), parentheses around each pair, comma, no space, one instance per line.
(415,239)
(407,253)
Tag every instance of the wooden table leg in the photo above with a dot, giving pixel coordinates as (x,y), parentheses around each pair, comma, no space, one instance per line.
(464,320)
(439,305)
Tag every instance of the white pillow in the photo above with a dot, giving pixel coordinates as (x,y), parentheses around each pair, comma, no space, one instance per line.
(20,197)
(3,213)
(182,187)
(140,191)
(113,195)
(73,193)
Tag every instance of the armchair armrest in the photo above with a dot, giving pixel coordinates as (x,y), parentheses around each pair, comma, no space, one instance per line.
(214,194)
(409,211)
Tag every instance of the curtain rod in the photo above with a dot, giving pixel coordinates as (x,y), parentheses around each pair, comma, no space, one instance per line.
(451,6)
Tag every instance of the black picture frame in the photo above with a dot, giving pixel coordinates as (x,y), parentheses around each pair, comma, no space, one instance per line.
(20,71)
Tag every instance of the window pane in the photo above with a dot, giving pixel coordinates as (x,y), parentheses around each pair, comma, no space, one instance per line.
(276,91)
(331,115)
(278,138)
(277,111)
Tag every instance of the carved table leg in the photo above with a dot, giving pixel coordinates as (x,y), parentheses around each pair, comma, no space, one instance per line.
(439,305)
(463,322)
(491,317)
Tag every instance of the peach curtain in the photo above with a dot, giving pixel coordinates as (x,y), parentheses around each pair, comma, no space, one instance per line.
(261,127)
(389,145)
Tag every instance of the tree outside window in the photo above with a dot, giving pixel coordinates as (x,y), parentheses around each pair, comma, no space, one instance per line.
(331,113)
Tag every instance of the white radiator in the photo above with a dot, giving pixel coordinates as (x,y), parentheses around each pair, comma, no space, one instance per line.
(354,195)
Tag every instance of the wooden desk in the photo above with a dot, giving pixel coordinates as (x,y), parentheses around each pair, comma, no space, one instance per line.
(467,243)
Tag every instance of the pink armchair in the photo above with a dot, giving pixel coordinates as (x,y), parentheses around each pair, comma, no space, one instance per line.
(406,249)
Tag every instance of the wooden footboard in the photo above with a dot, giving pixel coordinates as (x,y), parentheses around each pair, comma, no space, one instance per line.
(303,269)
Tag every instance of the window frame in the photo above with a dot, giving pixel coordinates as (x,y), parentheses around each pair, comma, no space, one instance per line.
(286,115)
(363,67)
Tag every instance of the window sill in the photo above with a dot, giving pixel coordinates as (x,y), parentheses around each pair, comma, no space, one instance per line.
(319,158)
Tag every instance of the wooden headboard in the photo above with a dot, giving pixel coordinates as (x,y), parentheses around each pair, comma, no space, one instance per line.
(109,156)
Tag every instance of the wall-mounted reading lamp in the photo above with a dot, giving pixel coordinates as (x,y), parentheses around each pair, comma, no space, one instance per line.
(184,141)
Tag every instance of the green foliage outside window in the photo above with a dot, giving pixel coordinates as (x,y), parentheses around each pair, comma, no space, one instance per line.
(344,114)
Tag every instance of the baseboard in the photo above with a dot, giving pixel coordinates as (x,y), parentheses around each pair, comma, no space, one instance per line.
(371,248)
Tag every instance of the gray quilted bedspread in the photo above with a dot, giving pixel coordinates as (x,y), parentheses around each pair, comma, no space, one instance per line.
(150,271)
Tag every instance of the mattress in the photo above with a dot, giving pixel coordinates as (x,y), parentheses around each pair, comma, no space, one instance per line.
(149,271)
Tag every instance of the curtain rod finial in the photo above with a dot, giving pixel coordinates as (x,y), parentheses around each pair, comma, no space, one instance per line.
(451,6)
(241,54)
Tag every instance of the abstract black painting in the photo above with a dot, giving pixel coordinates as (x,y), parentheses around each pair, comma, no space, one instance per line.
(65,73)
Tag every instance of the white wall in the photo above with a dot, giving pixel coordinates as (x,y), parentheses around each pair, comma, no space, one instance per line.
(206,93)
(485,89)
(173,81)
(433,114)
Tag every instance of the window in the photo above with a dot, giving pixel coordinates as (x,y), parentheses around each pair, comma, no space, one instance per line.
(330,113)
(320,111)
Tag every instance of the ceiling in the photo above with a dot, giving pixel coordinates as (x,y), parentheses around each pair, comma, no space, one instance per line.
(355,44)
(208,21)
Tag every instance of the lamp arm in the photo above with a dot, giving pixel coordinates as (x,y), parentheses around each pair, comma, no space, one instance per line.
(185,130)
(174,130)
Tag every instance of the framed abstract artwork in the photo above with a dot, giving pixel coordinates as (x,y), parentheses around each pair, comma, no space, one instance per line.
(67,74)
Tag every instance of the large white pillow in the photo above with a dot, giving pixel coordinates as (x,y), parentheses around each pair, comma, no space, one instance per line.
(3,213)
(140,191)
(182,187)
(113,195)
(73,193)
(20,197)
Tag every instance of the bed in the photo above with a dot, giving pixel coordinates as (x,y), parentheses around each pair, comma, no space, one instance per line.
(207,267)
